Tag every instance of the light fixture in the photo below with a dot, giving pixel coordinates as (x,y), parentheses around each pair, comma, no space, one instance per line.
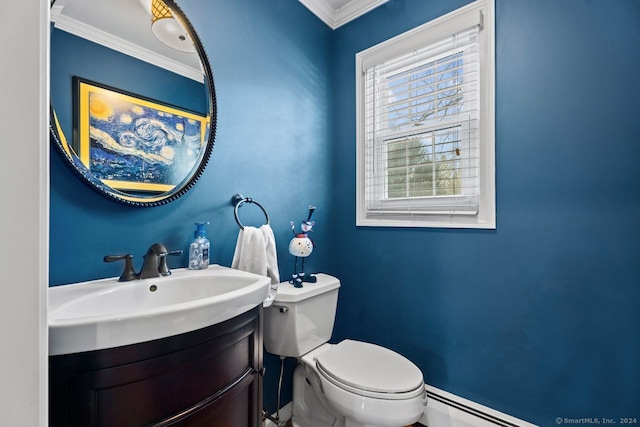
(167,29)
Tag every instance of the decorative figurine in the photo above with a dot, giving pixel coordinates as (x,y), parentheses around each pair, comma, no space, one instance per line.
(301,246)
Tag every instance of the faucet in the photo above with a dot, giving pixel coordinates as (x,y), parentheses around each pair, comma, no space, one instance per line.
(154,265)
(129,272)
(150,265)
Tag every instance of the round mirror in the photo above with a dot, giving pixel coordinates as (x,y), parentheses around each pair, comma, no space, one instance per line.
(133,107)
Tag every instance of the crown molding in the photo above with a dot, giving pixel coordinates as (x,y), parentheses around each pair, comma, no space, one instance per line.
(56,9)
(121,45)
(335,18)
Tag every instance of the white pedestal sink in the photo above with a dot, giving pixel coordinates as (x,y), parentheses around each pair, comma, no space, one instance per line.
(106,313)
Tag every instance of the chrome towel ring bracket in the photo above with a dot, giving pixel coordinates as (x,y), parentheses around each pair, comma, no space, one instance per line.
(237,200)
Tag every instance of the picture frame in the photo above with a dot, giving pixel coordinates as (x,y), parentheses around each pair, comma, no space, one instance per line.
(132,143)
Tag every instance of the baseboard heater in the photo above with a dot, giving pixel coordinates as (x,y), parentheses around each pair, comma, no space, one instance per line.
(448,410)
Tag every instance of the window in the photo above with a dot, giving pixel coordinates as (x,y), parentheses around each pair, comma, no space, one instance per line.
(425,137)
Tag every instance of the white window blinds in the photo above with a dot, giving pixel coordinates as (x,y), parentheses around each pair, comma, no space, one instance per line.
(421,139)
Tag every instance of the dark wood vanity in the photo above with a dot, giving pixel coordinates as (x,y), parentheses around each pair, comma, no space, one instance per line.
(208,377)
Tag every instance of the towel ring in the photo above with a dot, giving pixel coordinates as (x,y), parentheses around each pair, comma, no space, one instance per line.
(237,200)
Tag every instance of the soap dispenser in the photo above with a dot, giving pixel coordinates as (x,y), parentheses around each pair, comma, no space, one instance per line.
(199,248)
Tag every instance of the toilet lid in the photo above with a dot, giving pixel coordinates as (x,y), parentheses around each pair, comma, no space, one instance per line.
(369,367)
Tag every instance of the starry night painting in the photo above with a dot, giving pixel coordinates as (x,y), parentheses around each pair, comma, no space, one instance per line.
(135,144)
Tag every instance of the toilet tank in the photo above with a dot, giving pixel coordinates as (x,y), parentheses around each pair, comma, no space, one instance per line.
(301,319)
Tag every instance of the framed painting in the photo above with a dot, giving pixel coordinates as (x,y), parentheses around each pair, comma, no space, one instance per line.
(132,143)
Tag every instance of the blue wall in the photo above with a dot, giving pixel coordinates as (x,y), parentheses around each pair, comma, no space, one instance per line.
(272,144)
(271,68)
(538,318)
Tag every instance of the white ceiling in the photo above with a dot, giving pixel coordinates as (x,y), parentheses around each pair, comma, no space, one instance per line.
(336,13)
(98,13)
(129,30)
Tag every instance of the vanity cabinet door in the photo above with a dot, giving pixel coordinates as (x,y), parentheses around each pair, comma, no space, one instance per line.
(206,377)
(236,408)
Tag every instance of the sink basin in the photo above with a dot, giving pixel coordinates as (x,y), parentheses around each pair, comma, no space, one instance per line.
(106,313)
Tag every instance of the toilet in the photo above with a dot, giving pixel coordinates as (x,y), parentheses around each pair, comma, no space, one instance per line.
(349,384)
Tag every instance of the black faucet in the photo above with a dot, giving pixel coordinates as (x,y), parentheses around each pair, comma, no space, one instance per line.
(129,272)
(151,263)
(154,265)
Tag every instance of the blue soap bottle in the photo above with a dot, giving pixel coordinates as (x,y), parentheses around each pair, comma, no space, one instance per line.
(199,248)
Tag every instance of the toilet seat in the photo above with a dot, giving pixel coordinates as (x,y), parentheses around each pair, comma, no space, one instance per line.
(370,370)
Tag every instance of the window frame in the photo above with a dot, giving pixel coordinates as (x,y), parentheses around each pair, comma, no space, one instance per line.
(480,12)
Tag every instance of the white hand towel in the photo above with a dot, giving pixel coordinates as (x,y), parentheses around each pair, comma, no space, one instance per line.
(256,253)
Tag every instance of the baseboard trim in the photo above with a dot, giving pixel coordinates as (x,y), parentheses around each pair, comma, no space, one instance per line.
(448,410)
(445,409)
